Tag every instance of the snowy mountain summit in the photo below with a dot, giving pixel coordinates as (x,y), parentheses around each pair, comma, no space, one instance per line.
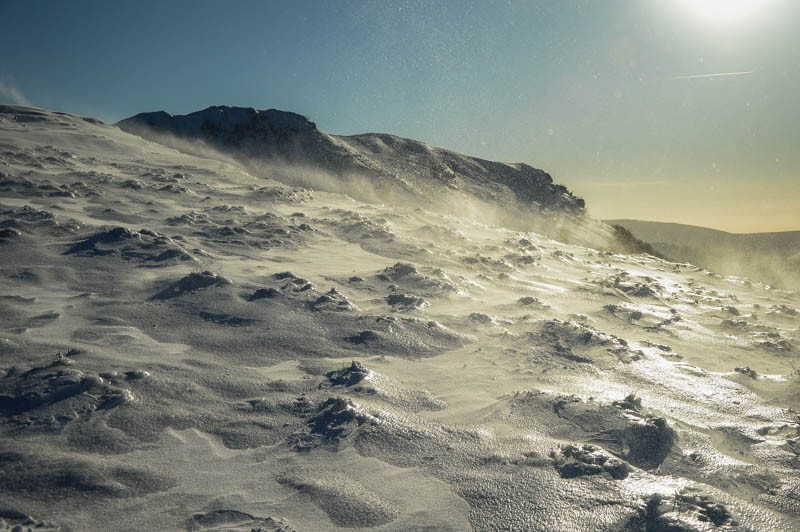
(404,168)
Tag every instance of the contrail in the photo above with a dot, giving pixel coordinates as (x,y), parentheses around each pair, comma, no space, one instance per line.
(721,74)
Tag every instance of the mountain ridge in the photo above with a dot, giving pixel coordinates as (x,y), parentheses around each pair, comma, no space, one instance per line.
(677,225)
(770,257)
(389,161)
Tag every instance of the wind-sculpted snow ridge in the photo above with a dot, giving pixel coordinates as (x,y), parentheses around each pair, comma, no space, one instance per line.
(185,345)
(394,166)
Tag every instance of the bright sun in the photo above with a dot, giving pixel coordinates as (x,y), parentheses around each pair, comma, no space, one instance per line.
(724,10)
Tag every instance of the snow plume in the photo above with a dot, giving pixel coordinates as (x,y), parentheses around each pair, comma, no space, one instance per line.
(362,186)
(386,170)
(356,185)
(196,147)
(11,94)
(514,215)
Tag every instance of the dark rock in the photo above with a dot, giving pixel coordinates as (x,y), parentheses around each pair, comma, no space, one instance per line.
(336,419)
(332,300)
(56,391)
(116,234)
(191,283)
(349,376)
(575,461)
(8,234)
(406,301)
(264,293)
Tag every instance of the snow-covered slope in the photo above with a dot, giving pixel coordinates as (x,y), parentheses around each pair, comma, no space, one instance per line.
(186,345)
(769,257)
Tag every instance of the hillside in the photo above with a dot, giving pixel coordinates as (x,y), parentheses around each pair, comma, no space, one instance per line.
(772,258)
(189,344)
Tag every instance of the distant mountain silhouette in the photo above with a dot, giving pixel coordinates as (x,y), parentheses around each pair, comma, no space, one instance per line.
(773,258)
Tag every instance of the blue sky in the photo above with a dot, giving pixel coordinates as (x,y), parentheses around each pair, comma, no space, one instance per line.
(593,91)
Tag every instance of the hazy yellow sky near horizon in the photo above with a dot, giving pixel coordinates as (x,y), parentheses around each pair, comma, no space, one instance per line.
(735,207)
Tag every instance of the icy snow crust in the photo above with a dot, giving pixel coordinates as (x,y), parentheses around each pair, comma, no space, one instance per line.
(187,346)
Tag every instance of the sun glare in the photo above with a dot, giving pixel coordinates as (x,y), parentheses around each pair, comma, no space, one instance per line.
(724,10)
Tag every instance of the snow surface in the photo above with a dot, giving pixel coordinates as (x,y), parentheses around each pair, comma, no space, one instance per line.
(769,257)
(187,345)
